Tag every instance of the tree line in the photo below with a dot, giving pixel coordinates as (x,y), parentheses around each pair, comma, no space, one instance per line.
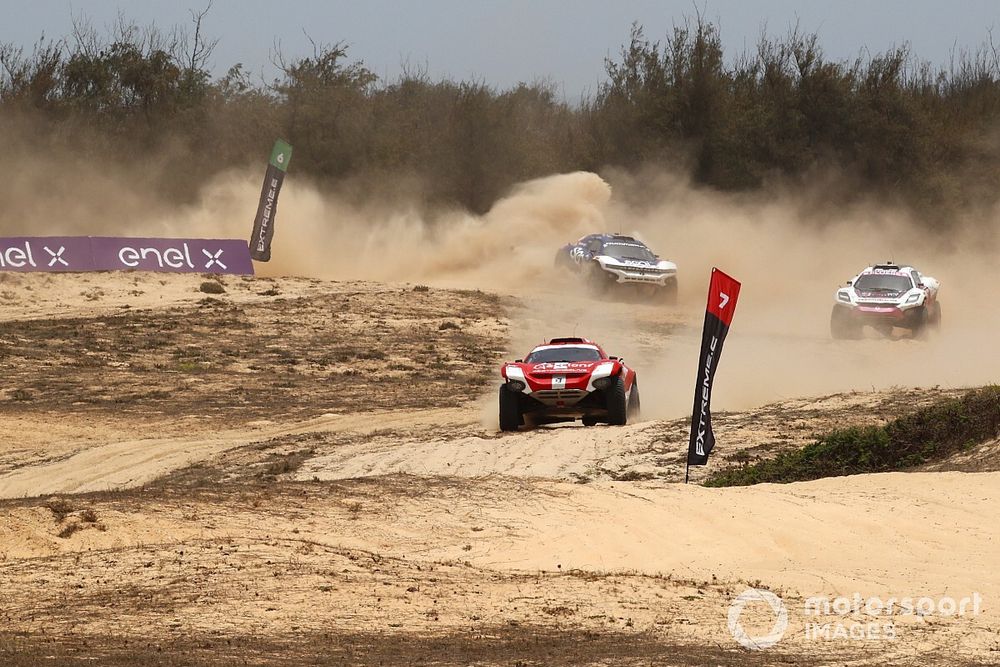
(886,123)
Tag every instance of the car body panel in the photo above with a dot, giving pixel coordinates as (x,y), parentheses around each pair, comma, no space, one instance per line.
(565,388)
(888,295)
(624,259)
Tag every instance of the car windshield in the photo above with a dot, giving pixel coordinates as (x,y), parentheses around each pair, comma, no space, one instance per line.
(622,250)
(563,353)
(883,282)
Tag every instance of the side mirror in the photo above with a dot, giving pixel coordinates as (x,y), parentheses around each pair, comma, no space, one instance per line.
(519,361)
(849,283)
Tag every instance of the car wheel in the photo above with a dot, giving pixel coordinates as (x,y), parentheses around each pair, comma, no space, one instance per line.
(617,404)
(510,411)
(598,279)
(922,320)
(634,406)
(589,421)
(842,324)
(935,317)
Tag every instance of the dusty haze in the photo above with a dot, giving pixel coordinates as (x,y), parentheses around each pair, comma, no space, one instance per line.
(790,248)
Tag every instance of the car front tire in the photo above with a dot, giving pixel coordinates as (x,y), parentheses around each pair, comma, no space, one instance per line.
(617,403)
(510,411)
(634,407)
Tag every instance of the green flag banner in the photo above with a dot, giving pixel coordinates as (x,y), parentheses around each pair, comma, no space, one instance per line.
(267,208)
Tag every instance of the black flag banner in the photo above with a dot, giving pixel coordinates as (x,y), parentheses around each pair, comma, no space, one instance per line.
(263,223)
(722,294)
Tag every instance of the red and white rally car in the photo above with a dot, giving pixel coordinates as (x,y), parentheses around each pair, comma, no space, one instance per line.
(564,380)
(884,296)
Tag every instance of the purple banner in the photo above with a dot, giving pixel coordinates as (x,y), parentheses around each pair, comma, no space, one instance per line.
(174,255)
(105,253)
(46,253)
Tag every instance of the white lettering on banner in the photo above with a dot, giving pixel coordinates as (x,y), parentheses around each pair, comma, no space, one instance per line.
(266,217)
(146,252)
(705,394)
(133,255)
(176,263)
(173,257)
(17,257)
(56,256)
(214,259)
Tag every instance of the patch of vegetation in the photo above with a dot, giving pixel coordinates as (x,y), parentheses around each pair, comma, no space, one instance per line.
(69,529)
(212,287)
(60,508)
(631,476)
(20,395)
(932,433)
(288,463)
(781,108)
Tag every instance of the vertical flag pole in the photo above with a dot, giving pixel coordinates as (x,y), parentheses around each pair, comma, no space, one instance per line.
(723,291)
(267,208)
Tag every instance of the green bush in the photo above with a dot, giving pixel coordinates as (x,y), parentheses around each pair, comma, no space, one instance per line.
(929,434)
(890,121)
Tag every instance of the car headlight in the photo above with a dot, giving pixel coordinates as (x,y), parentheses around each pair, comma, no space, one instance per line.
(515,385)
(604,383)
(844,296)
(913,298)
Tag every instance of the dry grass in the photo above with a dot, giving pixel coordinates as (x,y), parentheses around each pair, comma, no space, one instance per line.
(352,350)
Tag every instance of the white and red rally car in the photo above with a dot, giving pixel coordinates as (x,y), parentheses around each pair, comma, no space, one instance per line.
(884,296)
(564,380)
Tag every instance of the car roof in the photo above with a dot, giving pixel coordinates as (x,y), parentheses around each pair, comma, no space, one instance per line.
(889,269)
(572,340)
(606,238)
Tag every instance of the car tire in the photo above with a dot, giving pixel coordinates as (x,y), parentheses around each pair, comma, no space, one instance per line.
(842,325)
(935,316)
(510,411)
(598,278)
(922,320)
(617,403)
(634,406)
(589,421)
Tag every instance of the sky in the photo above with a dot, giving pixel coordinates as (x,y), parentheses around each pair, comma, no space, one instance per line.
(503,42)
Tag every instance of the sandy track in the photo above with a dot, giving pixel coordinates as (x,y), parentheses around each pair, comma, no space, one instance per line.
(564,452)
(655,555)
(131,463)
(424,521)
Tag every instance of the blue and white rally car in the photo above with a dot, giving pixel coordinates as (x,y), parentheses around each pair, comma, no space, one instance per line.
(614,262)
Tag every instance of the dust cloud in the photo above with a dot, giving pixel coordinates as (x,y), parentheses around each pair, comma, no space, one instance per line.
(789,247)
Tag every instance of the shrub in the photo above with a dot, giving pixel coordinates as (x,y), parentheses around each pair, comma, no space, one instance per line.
(211,287)
(929,434)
